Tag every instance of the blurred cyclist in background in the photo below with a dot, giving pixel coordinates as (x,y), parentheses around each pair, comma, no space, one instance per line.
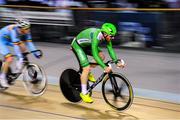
(17,36)
(87,43)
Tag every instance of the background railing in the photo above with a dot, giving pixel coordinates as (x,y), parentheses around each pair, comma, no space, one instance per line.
(38,17)
(156,28)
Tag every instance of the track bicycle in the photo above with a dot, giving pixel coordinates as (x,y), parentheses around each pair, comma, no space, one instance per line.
(34,78)
(116,88)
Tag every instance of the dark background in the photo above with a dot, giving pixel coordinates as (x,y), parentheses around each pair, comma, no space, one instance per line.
(151,30)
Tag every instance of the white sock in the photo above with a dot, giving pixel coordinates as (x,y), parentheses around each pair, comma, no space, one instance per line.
(2,76)
(84,88)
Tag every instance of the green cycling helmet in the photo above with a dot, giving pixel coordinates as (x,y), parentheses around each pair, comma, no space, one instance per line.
(109,29)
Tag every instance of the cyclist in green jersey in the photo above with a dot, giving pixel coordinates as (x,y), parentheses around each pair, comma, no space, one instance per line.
(87,43)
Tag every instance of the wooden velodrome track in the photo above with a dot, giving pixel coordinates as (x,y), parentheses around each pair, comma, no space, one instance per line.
(16,104)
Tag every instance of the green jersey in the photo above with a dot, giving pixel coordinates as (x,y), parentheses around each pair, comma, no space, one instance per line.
(91,37)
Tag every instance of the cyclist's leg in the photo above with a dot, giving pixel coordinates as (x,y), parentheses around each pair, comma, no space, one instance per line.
(7,56)
(22,47)
(101,55)
(7,61)
(20,60)
(84,63)
(84,78)
(88,51)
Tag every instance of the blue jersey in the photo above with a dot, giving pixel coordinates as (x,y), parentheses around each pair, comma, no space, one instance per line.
(9,36)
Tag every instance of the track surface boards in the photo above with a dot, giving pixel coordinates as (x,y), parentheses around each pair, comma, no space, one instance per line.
(16,104)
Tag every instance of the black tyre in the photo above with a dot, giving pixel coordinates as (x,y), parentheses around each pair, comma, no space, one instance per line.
(70,85)
(117,91)
(35,80)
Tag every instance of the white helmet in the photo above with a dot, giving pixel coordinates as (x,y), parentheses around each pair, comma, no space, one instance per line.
(23,23)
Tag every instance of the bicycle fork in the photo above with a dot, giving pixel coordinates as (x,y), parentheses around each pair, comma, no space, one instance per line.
(115,89)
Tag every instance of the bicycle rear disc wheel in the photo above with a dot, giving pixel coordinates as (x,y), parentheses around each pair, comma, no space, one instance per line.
(70,85)
(117,92)
(34,80)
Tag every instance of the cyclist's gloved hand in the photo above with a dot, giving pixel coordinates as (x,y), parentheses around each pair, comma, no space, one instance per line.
(37,53)
(107,69)
(121,63)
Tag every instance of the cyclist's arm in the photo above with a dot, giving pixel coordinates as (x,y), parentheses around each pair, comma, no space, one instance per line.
(95,53)
(112,52)
(29,43)
(16,41)
(99,49)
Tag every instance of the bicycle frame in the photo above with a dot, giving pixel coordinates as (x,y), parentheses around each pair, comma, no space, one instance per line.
(14,76)
(97,82)
(113,83)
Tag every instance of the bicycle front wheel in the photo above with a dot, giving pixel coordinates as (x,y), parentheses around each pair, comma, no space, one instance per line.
(117,91)
(34,79)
